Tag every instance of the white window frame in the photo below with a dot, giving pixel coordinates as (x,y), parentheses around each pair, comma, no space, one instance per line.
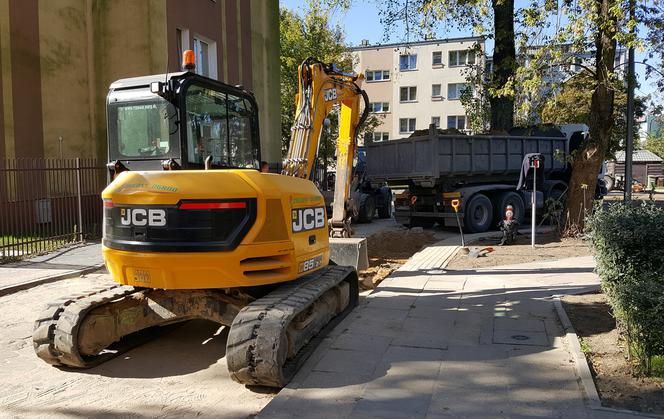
(456,122)
(433,58)
(458,88)
(379,136)
(440,90)
(411,125)
(184,42)
(408,68)
(409,94)
(458,55)
(436,121)
(211,55)
(384,75)
(384,107)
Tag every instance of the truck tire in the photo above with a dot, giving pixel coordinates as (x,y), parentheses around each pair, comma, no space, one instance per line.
(385,211)
(513,199)
(367,208)
(478,214)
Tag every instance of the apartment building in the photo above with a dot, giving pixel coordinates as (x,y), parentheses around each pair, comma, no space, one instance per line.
(58,57)
(413,85)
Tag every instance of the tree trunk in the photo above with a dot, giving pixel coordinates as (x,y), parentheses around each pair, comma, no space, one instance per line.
(590,155)
(504,63)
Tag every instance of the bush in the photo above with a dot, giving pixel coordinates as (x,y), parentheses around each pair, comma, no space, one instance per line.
(629,248)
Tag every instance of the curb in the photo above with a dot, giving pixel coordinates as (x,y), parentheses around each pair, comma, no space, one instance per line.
(10,289)
(582,368)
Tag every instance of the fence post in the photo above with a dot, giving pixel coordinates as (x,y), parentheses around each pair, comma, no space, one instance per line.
(78,197)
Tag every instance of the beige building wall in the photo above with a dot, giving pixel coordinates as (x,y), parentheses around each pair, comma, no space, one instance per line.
(426,74)
(58,58)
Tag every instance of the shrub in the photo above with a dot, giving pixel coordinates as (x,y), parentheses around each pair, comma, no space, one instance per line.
(629,248)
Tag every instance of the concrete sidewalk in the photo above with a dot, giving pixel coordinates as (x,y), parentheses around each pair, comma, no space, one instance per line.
(64,263)
(429,343)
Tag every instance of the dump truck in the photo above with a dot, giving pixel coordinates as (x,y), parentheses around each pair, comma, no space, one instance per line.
(433,168)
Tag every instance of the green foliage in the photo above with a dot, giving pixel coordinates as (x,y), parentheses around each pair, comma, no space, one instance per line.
(475,98)
(655,143)
(629,248)
(572,105)
(311,35)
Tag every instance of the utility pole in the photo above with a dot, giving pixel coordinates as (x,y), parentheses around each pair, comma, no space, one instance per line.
(629,143)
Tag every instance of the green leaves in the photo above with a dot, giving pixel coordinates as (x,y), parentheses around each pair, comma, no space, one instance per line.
(629,248)
(310,35)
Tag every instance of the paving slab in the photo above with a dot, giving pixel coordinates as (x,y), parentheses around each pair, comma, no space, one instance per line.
(64,263)
(484,343)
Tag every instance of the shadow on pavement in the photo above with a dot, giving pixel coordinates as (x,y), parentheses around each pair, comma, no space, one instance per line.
(191,346)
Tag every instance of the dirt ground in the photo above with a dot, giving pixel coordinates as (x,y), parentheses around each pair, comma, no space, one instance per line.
(607,357)
(548,246)
(180,374)
(388,250)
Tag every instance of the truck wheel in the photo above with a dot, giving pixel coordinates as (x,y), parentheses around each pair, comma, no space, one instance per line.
(513,199)
(478,214)
(367,208)
(385,211)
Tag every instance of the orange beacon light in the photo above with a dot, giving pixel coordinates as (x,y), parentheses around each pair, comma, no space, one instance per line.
(188,60)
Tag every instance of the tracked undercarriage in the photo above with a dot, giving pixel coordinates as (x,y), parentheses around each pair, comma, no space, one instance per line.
(269,337)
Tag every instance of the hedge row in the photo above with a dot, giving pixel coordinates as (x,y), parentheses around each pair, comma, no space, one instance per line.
(629,248)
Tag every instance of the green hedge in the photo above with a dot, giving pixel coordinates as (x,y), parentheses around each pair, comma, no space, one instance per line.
(629,248)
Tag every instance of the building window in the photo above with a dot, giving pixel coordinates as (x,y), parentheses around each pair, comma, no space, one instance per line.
(377,75)
(436,121)
(381,136)
(408,62)
(406,125)
(437,58)
(379,106)
(454,90)
(456,121)
(182,40)
(435,90)
(206,57)
(461,57)
(408,94)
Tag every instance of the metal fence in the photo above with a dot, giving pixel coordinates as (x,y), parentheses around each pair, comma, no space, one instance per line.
(48,203)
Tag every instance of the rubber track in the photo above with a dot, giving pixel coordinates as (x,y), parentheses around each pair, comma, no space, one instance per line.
(55,333)
(257,343)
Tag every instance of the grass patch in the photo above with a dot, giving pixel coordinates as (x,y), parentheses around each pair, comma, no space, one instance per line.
(585,348)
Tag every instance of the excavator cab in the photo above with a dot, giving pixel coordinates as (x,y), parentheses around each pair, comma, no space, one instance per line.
(180,121)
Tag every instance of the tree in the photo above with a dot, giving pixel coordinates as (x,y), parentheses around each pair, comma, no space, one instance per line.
(303,37)
(495,16)
(571,105)
(655,140)
(312,36)
(597,25)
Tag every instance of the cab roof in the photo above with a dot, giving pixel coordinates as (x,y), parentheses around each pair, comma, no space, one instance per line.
(144,80)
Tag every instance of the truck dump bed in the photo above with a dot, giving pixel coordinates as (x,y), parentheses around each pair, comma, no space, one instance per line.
(436,158)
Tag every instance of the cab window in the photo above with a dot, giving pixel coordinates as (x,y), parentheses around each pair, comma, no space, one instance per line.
(219,125)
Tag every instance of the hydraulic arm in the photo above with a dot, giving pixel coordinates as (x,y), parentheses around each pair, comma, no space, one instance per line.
(321,88)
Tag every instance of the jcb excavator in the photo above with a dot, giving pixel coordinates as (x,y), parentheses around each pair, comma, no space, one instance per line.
(193,229)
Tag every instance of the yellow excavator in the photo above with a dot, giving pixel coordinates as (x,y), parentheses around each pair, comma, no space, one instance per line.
(194,229)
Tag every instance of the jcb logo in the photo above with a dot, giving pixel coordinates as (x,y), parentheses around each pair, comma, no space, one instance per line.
(305,219)
(330,94)
(141,217)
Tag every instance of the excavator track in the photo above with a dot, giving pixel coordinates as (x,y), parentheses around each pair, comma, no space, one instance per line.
(271,337)
(55,332)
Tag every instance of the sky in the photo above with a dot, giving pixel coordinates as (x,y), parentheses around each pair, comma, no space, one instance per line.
(362,21)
